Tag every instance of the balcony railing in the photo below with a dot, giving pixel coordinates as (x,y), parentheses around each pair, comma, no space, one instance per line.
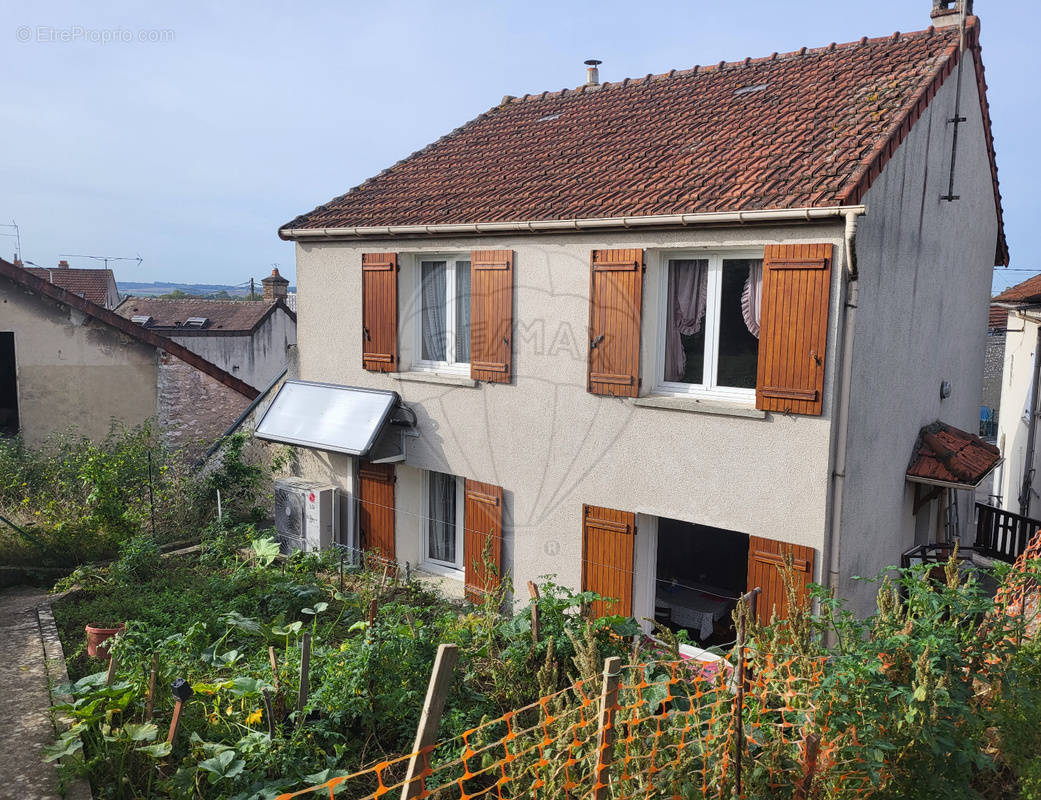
(1001,534)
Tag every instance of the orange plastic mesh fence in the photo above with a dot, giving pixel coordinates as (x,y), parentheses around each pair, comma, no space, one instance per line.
(674,737)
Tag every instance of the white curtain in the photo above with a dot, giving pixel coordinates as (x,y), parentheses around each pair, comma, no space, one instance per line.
(688,290)
(752,297)
(441,534)
(462,311)
(434,341)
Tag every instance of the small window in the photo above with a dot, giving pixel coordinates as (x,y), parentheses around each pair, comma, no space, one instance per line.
(196,322)
(444,329)
(709,331)
(443,546)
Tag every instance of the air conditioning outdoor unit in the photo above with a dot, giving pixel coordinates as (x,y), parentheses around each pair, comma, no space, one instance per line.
(307,515)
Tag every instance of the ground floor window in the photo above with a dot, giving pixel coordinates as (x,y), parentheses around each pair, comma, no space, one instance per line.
(700,572)
(443,544)
(8,386)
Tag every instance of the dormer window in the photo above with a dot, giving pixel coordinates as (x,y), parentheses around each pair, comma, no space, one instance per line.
(196,322)
(141,319)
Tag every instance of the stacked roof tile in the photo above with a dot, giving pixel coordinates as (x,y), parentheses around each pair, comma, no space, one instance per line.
(96,285)
(803,129)
(950,455)
(224,315)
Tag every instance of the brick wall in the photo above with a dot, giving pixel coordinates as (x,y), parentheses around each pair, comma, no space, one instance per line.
(193,409)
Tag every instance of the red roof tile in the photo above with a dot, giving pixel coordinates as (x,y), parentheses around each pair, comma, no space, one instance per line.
(950,455)
(1028,292)
(93,284)
(805,129)
(223,315)
(998,318)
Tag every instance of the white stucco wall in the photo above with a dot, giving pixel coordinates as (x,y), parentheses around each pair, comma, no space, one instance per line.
(256,359)
(72,371)
(1020,348)
(925,274)
(548,442)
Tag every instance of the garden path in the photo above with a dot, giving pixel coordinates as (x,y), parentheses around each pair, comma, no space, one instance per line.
(25,720)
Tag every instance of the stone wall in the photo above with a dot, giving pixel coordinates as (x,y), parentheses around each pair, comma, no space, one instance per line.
(193,409)
(993,364)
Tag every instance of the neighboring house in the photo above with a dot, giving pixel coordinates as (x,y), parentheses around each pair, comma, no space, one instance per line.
(67,363)
(248,338)
(1019,485)
(96,285)
(650,336)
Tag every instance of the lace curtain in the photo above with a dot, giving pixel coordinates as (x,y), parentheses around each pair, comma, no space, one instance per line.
(433,317)
(752,297)
(688,293)
(441,536)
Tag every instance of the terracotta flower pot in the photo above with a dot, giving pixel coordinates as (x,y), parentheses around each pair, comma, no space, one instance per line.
(96,638)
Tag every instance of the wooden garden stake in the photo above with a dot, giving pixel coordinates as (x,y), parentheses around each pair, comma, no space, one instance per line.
(430,718)
(274,664)
(269,712)
(802,788)
(150,694)
(533,590)
(112,667)
(182,691)
(305,669)
(605,732)
(373,608)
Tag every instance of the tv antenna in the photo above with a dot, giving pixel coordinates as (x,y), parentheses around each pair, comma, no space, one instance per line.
(106,259)
(17,239)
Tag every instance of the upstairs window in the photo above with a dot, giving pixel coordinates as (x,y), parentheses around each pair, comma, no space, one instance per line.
(444,329)
(710,328)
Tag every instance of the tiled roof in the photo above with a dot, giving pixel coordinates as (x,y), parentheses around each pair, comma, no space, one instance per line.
(805,129)
(92,284)
(223,315)
(26,279)
(1028,292)
(998,318)
(950,455)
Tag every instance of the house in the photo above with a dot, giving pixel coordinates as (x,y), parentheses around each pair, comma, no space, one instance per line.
(249,339)
(67,363)
(1017,433)
(651,336)
(96,285)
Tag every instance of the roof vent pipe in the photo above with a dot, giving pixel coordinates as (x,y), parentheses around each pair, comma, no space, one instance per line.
(592,73)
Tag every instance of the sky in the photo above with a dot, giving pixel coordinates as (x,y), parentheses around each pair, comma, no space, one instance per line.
(187,133)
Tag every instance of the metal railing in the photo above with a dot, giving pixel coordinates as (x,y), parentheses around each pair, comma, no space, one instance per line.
(1001,534)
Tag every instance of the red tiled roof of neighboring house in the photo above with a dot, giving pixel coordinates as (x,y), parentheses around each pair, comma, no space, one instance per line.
(26,279)
(950,455)
(998,318)
(93,284)
(1028,292)
(811,128)
(240,316)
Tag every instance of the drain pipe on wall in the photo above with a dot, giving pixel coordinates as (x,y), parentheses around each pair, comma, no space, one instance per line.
(840,424)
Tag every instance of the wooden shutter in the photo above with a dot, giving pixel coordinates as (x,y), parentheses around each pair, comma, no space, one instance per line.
(482,537)
(794,328)
(376,509)
(491,315)
(765,559)
(608,556)
(379,299)
(615,302)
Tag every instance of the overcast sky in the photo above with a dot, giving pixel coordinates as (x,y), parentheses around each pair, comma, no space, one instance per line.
(191,143)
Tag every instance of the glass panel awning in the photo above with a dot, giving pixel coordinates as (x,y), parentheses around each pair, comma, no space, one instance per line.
(341,419)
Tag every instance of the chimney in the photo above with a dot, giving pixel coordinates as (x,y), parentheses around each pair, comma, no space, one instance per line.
(947,13)
(63,264)
(592,73)
(275,286)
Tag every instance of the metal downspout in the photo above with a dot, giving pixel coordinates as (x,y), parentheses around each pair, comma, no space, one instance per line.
(840,427)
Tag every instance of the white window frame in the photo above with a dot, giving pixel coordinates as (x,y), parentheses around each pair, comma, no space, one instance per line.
(450,365)
(708,390)
(456,569)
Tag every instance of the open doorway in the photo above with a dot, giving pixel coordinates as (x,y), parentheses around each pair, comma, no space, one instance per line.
(700,572)
(8,386)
